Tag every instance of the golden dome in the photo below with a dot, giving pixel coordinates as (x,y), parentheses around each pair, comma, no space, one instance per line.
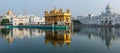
(10,12)
(54,10)
(60,10)
(46,12)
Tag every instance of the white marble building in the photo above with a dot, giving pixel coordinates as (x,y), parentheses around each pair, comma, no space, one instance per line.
(27,20)
(36,20)
(23,19)
(107,17)
(20,20)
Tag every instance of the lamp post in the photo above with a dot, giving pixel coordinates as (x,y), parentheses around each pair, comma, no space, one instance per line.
(89,17)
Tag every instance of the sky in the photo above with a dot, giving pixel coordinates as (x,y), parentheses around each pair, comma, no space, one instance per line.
(77,7)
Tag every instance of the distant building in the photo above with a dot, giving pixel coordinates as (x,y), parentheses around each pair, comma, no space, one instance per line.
(27,20)
(20,20)
(107,17)
(9,15)
(37,20)
(58,17)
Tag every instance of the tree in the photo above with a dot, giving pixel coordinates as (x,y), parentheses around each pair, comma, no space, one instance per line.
(5,31)
(76,22)
(5,21)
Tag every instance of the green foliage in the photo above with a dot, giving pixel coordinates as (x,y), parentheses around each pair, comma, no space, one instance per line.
(76,21)
(5,21)
(5,31)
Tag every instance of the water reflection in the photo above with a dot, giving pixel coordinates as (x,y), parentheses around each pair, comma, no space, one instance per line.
(11,34)
(107,34)
(62,37)
(59,37)
(54,37)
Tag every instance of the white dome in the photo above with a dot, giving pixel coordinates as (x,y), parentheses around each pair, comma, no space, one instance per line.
(109,9)
(109,6)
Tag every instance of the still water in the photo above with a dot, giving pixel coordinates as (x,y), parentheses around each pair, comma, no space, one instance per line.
(79,40)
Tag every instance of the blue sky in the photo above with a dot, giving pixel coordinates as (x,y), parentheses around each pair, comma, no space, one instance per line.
(77,7)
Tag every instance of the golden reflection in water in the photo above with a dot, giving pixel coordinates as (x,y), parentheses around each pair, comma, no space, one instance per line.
(59,37)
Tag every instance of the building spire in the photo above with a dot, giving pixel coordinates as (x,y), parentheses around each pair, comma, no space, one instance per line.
(55,8)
